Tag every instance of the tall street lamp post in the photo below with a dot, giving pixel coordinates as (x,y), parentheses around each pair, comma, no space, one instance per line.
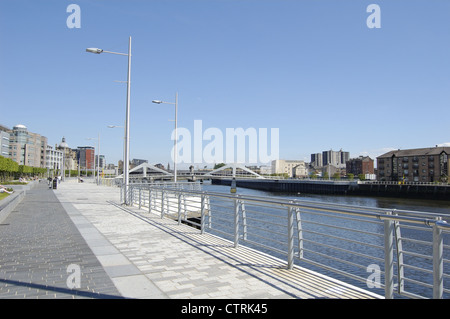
(176,136)
(127,115)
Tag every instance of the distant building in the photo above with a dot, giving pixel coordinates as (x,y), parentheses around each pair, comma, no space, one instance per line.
(4,141)
(137,162)
(53,158)
(86,157)
(334,158)
(70,156)
(101,161)
(292,168)
(331,171)
(265,170)
(361,165)
(337,159)
(316,160)
(414,165)
(27,148)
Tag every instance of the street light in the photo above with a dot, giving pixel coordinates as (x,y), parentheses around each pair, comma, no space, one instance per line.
(176,136)
(127,114)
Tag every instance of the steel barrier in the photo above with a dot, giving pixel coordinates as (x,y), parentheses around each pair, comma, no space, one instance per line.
(409,249)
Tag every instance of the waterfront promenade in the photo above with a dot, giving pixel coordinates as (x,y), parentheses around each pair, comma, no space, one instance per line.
(53,236)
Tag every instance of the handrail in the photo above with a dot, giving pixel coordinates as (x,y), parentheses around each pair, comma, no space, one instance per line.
(343,209)
(253,220)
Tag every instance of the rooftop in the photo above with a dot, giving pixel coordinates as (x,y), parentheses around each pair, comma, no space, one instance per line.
(418,151)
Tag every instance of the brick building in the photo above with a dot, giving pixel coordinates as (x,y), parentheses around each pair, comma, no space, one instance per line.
(414,165)
(361,165)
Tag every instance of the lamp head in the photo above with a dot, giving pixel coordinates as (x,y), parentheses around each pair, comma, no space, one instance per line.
(157,101)
(94,50)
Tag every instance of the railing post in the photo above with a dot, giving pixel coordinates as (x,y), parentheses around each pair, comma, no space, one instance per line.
(162,204)
(130,194)
(208,203)
(299,233)
(184,207)
(290,258)
(202,213)
(236,221)
(400,264)
(244,219)
(149,199)
(140,193)
(438,261)
(179,208)
(388,258)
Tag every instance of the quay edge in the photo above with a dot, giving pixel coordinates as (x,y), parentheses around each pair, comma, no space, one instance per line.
(352,188)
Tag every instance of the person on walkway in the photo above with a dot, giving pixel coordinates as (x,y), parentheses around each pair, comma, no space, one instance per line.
(3,189)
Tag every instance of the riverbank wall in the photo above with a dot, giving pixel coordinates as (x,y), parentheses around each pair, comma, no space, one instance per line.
(351,188)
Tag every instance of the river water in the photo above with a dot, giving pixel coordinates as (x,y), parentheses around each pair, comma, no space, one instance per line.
(429,206)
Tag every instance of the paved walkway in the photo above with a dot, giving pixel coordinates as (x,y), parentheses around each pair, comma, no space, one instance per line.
(133,254)
(38,243)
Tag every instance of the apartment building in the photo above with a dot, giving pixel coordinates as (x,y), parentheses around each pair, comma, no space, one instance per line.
(361,165)
(53,158)
(334,158)
(27,148)
(4,141)
(316,160)
(414,165)
(292,168)
(86,157)
(337,159)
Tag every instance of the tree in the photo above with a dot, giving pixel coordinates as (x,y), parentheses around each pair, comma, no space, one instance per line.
(7,168)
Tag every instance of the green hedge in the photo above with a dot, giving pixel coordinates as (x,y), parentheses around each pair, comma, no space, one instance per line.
(12,170)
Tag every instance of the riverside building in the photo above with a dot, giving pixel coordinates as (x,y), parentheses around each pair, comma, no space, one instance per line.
(414,165)
(27,148)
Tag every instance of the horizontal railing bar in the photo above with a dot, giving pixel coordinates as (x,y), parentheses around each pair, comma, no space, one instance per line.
(420,283)
(366,220)
(342,228)
(225,221)
(415,241)
(268,239)
(340,238)
(410,253)
(345,250)
(265,222)
(266,230)
(332,258)
(336,208)
(249,210)
(409,266)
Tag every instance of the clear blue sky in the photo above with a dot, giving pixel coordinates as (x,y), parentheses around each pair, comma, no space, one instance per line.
(312,69)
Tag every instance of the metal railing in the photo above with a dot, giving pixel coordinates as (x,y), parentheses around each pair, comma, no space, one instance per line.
(405,252)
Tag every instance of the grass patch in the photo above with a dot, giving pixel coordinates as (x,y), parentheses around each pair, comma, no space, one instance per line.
(14,183)
(3,195)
